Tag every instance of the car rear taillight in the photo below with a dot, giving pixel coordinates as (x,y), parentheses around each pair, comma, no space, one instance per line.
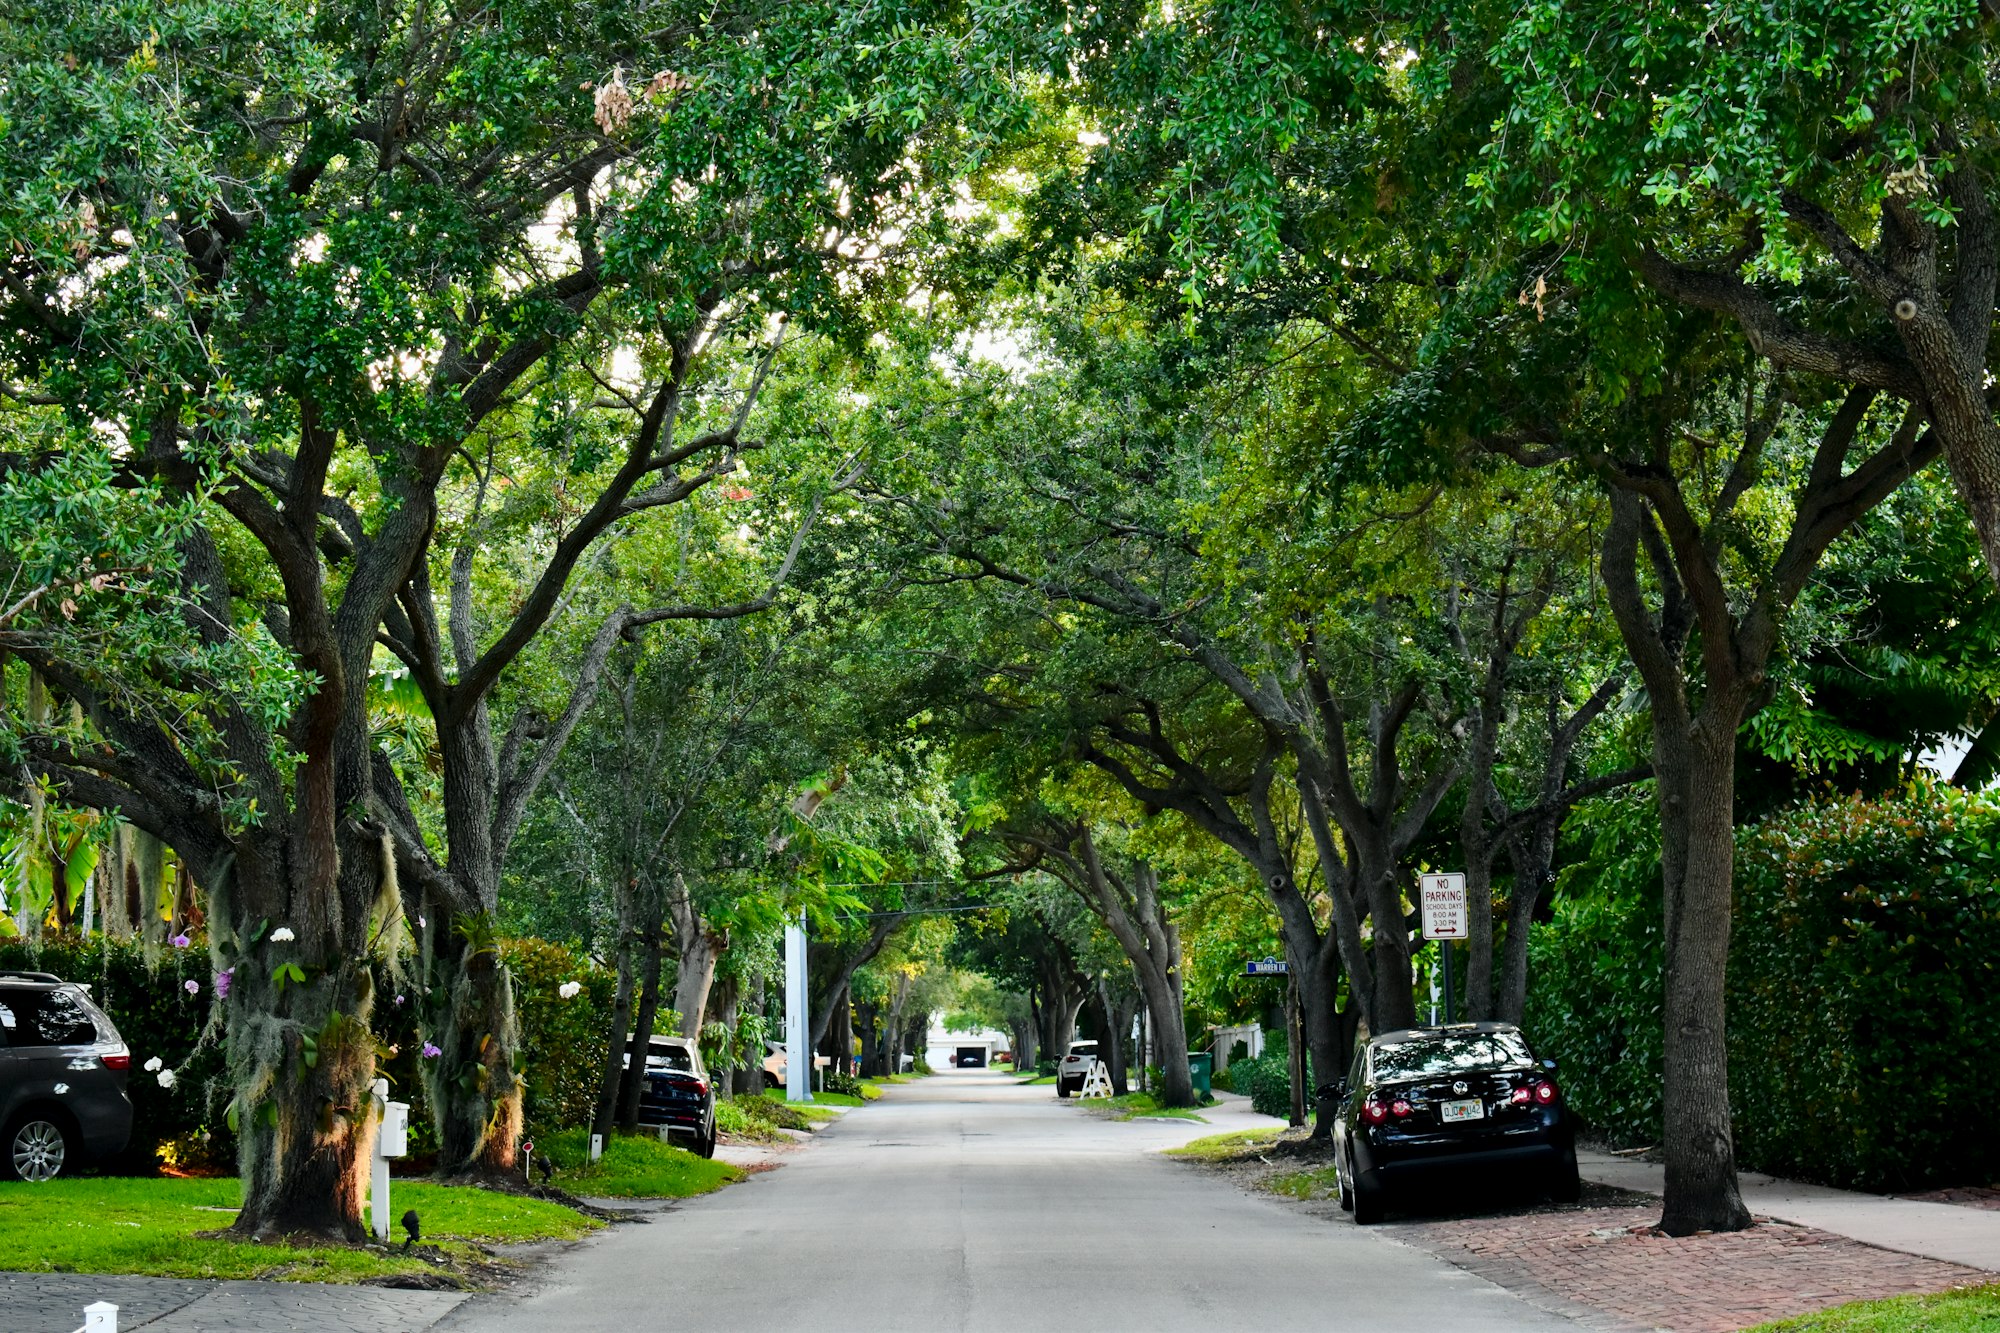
(1521,1096)
(701,1087)
(1373,1110)
(1545,1093)
(122,1060)
(1400,1107)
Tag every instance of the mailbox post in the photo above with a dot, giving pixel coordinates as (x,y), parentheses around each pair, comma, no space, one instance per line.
(392,1139)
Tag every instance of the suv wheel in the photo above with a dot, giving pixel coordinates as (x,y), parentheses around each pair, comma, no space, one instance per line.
(1062,1086)
(37,1149)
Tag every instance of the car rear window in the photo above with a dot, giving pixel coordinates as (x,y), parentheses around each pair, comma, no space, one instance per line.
(45,1018)
(1451,1053)
(669,1057)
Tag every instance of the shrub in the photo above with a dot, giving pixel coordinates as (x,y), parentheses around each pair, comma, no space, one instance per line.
(1267,1080)
(145,993)
(1863,979)
(833,1080)
(563,1039)
(1864,951)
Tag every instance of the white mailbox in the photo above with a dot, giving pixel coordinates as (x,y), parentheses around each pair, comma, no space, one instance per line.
(395,1136)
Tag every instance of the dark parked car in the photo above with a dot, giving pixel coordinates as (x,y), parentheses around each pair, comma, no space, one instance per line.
(678,1097)
(62,1079)
(1441,1104)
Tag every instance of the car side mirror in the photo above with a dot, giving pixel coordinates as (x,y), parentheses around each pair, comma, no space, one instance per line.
(1334,1090)
(1549,1065)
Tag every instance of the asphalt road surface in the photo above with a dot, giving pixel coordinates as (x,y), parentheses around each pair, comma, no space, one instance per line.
(966,1202)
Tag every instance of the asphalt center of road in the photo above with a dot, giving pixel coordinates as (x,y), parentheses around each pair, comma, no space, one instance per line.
(968,1201)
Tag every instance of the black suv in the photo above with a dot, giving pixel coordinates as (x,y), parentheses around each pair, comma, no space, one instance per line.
(62,1079)
(1445,1101)
(678,1097)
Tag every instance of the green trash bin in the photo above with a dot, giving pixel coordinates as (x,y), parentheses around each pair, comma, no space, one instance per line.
(1201,1068)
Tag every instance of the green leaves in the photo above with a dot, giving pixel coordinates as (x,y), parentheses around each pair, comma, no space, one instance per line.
(287,972)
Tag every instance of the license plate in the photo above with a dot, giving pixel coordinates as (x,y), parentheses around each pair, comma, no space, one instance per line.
(1466,1110)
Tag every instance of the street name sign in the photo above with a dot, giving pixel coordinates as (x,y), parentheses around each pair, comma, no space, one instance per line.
(1441,898)
(1268,967)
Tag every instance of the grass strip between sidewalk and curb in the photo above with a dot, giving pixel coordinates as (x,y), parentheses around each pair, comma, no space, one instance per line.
(1227,1147)
(1965,1310)
(1139,1105)
(634,1166)
(148,1226)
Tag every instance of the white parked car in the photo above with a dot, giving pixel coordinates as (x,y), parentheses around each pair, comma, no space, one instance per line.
(1075,1067)
(774,1063)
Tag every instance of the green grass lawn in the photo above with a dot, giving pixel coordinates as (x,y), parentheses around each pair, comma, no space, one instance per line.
(120,1225)
(843,1099)
(1036,1082)
(1224,1147)
(634,1166)
(1966,1310)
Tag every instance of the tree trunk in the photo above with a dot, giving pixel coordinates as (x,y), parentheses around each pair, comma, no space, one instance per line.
(841,1032)
(1027,1054)
(699,947)
(298,1047)
(615,1053)
(1110,1040)
(750,1073)
(634,1085)
(473,1083)
(1697,815)
(865,1018)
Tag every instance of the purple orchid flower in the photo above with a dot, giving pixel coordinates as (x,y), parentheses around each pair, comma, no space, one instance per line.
(432,1052)
(223,980)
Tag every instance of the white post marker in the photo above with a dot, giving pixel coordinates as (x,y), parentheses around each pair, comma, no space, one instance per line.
(392,1139)
(100,1317)
(798,1029)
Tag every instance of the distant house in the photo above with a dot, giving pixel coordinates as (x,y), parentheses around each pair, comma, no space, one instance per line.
(947,1050)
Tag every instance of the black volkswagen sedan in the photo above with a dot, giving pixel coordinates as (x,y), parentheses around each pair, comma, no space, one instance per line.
(1453,1106)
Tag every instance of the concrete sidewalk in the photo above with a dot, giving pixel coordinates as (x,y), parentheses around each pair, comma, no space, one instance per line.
(1954,1234)
(53,1303)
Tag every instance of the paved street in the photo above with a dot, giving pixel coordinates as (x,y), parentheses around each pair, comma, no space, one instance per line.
(965,1202)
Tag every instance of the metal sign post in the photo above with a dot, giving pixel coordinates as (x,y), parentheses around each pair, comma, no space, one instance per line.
(1441,900)
(798,1027)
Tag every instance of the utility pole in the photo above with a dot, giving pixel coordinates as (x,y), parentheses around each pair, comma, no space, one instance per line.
(798,1016)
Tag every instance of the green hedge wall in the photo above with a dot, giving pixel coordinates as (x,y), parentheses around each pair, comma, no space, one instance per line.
(1862,988)
(147,998)
(1267,1080)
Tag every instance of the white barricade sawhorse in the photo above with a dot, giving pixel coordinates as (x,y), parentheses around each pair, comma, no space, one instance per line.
(1097,1083)
(100,1317)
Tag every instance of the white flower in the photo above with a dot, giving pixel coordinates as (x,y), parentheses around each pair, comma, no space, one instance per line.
(154,1065)
(569,990)
(166,1077)
(282,935)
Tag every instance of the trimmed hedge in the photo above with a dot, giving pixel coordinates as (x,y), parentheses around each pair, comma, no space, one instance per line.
(1267,1080)
(1862,987)
(147,998)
